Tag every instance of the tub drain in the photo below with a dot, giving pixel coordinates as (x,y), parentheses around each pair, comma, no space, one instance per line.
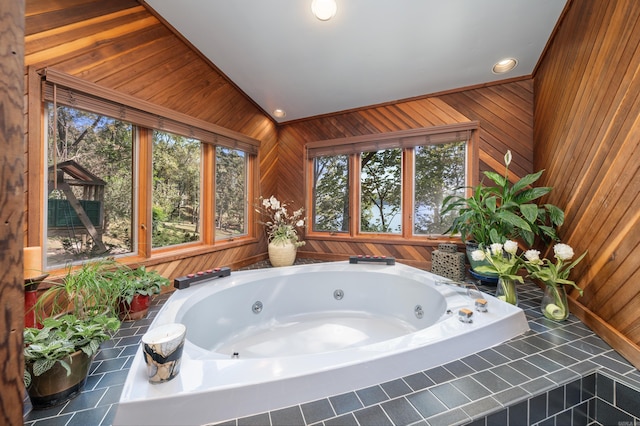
(418,311)
(257,307)
(338,294)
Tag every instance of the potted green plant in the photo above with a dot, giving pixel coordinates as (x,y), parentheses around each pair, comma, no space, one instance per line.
(136,288)
(505,211)
(57,357)
(84,292)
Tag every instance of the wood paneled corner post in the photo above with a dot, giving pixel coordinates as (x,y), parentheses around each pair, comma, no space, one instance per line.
(11,209)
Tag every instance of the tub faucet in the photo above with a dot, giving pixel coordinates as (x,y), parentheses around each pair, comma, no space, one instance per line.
(472,290)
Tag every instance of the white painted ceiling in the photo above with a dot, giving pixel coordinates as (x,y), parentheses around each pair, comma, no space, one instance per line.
(371,52)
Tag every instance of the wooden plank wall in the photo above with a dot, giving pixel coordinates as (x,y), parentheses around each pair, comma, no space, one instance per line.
(122,46)
(11,217)
(587,135)
(505,113)
(119,44)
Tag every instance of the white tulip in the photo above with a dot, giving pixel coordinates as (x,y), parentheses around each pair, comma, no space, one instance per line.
(532,256)
(563,251)
(511,247)
(478,255)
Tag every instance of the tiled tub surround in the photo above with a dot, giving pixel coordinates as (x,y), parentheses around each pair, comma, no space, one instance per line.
(558,373)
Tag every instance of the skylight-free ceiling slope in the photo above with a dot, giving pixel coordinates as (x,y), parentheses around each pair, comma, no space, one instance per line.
(371,52)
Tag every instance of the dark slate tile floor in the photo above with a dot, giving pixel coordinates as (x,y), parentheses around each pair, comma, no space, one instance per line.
(551,358)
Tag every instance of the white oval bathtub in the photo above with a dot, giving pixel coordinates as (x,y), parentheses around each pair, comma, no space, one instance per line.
(267,339)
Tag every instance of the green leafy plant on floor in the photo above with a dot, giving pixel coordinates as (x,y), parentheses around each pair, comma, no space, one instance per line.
(61,337)
(495,214)
(138,281)
(81,312)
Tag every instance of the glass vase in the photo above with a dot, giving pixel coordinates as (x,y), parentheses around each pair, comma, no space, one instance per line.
(554,303)
(506,291)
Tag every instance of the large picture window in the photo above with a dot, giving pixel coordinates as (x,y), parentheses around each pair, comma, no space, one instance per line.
(129,178)
(394,189)
(89,186)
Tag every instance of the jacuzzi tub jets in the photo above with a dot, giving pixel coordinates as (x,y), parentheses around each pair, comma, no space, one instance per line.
(395,322)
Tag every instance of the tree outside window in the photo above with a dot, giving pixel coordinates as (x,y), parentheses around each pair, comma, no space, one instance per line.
(381,191)
(435,170)
(231,193)
(439,172)
(331,193)
(90,184)
(175,189)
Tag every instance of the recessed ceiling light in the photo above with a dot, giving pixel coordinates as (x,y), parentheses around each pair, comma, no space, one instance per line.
(324,9)
(279,113)
(504,65)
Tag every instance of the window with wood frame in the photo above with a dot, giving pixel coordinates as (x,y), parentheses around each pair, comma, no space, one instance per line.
(129,178)
(389,185)
(175,189)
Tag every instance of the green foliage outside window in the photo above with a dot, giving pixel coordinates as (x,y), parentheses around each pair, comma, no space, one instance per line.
(176,189)
(231,192)
(331,194)
(381,191)
(102,146)
(439,172)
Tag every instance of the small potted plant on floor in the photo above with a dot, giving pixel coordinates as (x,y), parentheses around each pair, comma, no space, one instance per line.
(505,211)
(58,356)
(81,315)
(137,286)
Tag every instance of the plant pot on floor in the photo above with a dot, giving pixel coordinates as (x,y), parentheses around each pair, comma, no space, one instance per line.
(136,310)
(282,253)
(55,387)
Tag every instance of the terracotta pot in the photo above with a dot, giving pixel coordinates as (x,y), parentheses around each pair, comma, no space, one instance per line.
(54,387)
(282,255)
(30,299)
(136,310)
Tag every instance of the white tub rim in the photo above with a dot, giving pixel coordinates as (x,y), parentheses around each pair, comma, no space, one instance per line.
(355,362)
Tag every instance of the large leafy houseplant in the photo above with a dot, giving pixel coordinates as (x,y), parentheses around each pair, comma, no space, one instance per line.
(61,337)
(81,310)
(494,214)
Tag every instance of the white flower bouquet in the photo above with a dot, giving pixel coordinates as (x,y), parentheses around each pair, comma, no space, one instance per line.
(281,226)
